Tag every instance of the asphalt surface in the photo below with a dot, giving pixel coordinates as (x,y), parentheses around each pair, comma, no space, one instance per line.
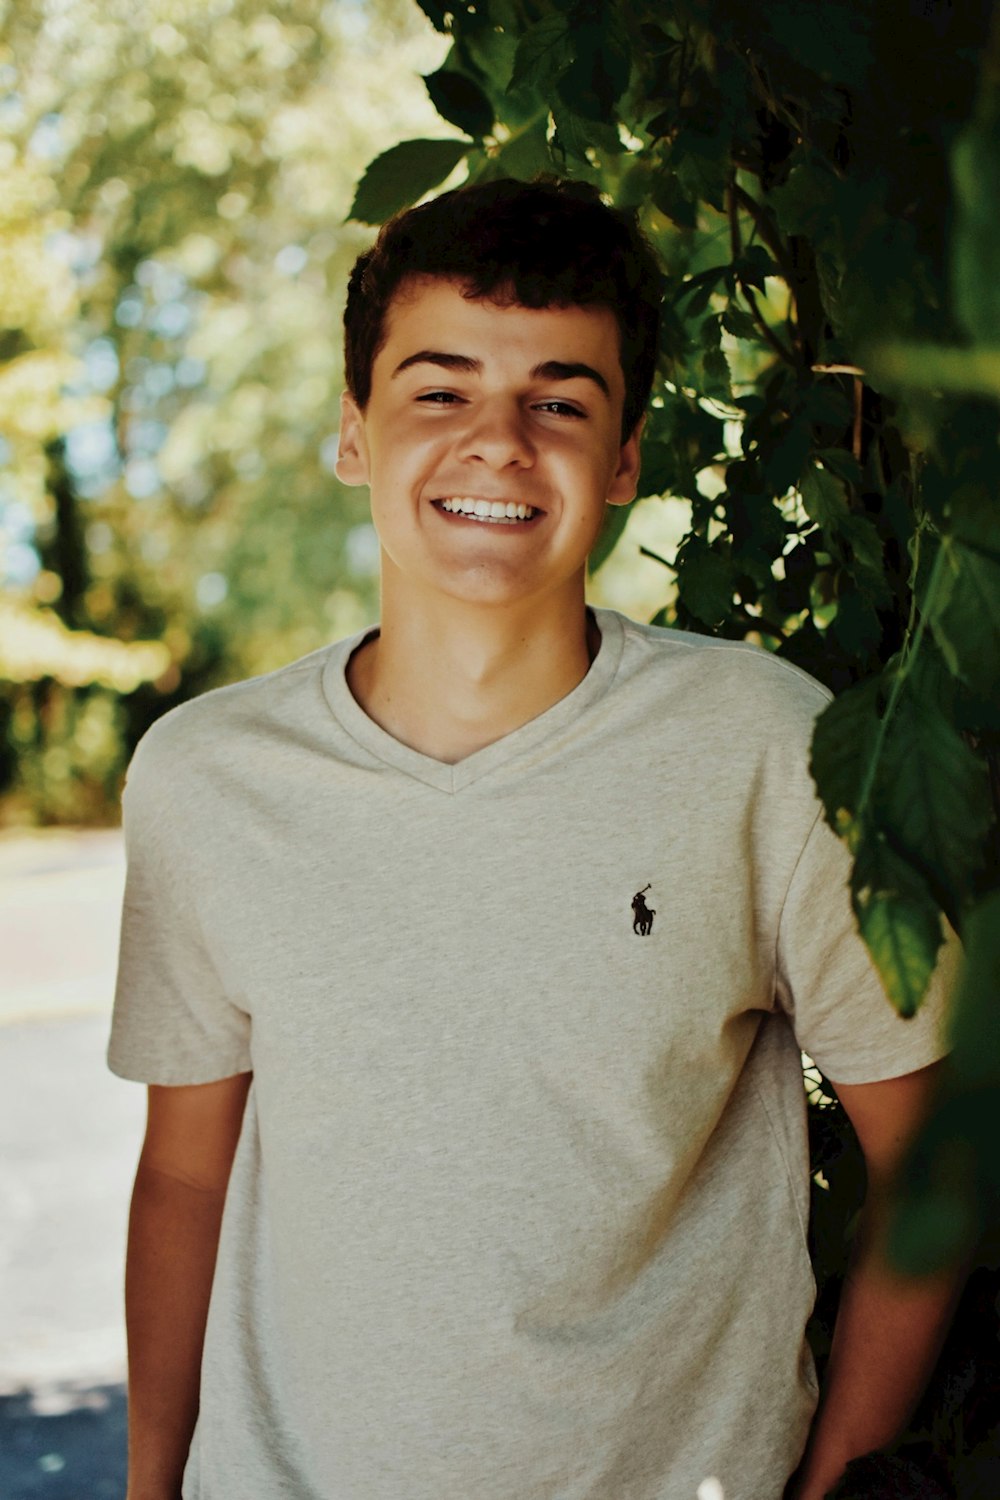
(69,1140)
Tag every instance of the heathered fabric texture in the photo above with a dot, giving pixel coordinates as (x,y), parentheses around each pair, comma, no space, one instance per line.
(518,1209)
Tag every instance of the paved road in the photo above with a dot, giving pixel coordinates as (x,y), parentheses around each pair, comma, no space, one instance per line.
(69,1137)
(60,897)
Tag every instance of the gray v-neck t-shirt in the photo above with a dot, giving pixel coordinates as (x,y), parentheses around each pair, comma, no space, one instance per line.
(518,1209)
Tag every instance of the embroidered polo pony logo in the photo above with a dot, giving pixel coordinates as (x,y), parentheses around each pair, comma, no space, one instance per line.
(642,921)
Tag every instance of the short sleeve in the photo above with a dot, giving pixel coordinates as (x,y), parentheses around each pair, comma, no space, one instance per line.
(830,988)
(173,1021)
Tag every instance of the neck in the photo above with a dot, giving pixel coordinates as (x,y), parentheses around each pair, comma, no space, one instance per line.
(449,681)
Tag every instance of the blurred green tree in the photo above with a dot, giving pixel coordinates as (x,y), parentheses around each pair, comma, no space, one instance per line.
(173,255)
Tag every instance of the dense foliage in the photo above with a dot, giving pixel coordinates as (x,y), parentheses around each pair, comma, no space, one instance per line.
(821,182)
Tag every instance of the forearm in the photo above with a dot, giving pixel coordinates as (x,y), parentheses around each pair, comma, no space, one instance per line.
(888,1334)
(172,1244)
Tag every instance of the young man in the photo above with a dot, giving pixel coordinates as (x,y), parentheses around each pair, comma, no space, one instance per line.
(468,962)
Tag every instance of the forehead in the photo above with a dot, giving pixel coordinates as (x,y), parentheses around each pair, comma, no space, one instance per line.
(432,312)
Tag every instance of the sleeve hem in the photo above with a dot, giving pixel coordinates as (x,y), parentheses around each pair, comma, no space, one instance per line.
(179,1077)
(875,1072)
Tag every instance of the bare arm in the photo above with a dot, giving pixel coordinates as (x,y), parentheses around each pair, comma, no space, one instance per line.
(889,1328)
(180,1188)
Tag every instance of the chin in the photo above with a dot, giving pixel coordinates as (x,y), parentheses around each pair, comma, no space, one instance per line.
(487,585)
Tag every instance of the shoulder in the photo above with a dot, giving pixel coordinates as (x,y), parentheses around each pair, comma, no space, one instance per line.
(223,724)
(720,680)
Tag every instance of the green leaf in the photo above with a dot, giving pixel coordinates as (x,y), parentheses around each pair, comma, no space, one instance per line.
(705,581)
(757,525)
(702,166)
(460,101)
(525,153)
(863,554)
(841,463)
(810,651)
(679,440)
(700,296)
(544,52)
(600,70)
(784,463)
(659,468)
(826,405)
(740,324)
(672,200)
(899,921)
(402,175)
(843,745)
(825,498)
(856,626)
(966,619)
(615,521)
(934,800)
(803,202)
(709,277)
(575,135)
(491,48)
(753,266)
(714,378)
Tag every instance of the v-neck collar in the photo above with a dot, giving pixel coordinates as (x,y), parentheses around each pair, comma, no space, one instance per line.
(442,775)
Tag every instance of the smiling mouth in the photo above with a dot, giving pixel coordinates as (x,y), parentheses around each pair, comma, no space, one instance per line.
(492,512)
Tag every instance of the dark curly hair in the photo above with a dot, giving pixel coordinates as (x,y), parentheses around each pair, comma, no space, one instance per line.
(549,243)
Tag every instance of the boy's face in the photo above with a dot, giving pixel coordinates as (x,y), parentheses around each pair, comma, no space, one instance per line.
(476,405)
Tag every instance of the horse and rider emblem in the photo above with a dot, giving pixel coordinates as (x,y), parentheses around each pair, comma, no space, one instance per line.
(642,920)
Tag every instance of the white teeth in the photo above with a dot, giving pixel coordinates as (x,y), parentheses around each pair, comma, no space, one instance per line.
(488,510)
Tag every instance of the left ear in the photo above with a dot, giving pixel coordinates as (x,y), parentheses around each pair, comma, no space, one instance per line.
(352,449)
(626,478)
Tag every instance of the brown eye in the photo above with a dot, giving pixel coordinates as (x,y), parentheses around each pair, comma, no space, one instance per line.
(561,408)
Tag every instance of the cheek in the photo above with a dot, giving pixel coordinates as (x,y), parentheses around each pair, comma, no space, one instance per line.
(406,454)
(589,471)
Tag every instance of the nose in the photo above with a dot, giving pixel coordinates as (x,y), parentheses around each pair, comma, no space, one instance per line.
(497,435)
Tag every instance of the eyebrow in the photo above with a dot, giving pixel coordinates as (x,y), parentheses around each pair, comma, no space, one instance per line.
(549,369)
